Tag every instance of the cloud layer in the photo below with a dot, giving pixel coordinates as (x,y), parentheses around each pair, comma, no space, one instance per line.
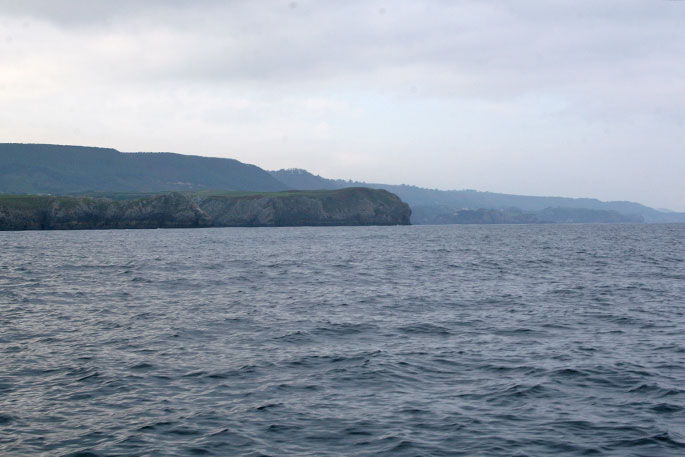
(577,98)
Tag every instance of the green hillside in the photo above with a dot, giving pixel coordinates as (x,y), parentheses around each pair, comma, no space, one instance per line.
(54,169)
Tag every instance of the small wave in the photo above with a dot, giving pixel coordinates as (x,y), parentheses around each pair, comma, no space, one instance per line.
(89,377)
(345,328)
(667,408)
(568,373)
(233,373)
(84,453)
(664,438)
(425,329)
(524,391)
(520,331)
(294,337)
(183,431)
(268,406)
(317,360)
(199,451)
(527,370)
(141,280)
(655,390)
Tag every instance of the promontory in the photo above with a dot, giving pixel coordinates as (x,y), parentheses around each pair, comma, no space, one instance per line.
(350,206)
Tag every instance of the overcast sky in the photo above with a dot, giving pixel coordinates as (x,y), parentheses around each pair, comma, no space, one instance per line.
(567,97)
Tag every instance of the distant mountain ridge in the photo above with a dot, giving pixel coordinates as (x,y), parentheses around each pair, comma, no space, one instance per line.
(431,205)
(56,169)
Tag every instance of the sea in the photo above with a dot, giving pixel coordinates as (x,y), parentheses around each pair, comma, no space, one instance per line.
(499,340)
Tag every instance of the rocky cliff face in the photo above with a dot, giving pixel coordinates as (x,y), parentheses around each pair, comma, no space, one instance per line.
(355,206)
(64,213)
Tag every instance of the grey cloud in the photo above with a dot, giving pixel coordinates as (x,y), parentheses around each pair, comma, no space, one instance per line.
(574,64)
(71,13)
(481,48)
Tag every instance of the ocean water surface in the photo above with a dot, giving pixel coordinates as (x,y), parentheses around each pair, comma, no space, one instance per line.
(531,340)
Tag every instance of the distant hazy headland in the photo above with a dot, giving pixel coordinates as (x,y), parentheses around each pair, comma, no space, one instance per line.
(432,206)
(92,176)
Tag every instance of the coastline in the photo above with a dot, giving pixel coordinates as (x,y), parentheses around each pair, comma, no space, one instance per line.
(345,207)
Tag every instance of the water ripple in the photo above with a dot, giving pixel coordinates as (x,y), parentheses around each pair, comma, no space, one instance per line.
(434,341)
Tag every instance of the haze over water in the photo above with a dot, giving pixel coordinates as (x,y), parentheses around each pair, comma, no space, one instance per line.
(419,340)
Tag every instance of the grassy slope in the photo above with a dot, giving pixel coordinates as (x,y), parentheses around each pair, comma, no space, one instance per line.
(56,169)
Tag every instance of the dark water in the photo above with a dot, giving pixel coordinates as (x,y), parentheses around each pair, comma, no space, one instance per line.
(453,340)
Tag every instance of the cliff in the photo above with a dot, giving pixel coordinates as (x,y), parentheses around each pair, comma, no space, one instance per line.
(353,206)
